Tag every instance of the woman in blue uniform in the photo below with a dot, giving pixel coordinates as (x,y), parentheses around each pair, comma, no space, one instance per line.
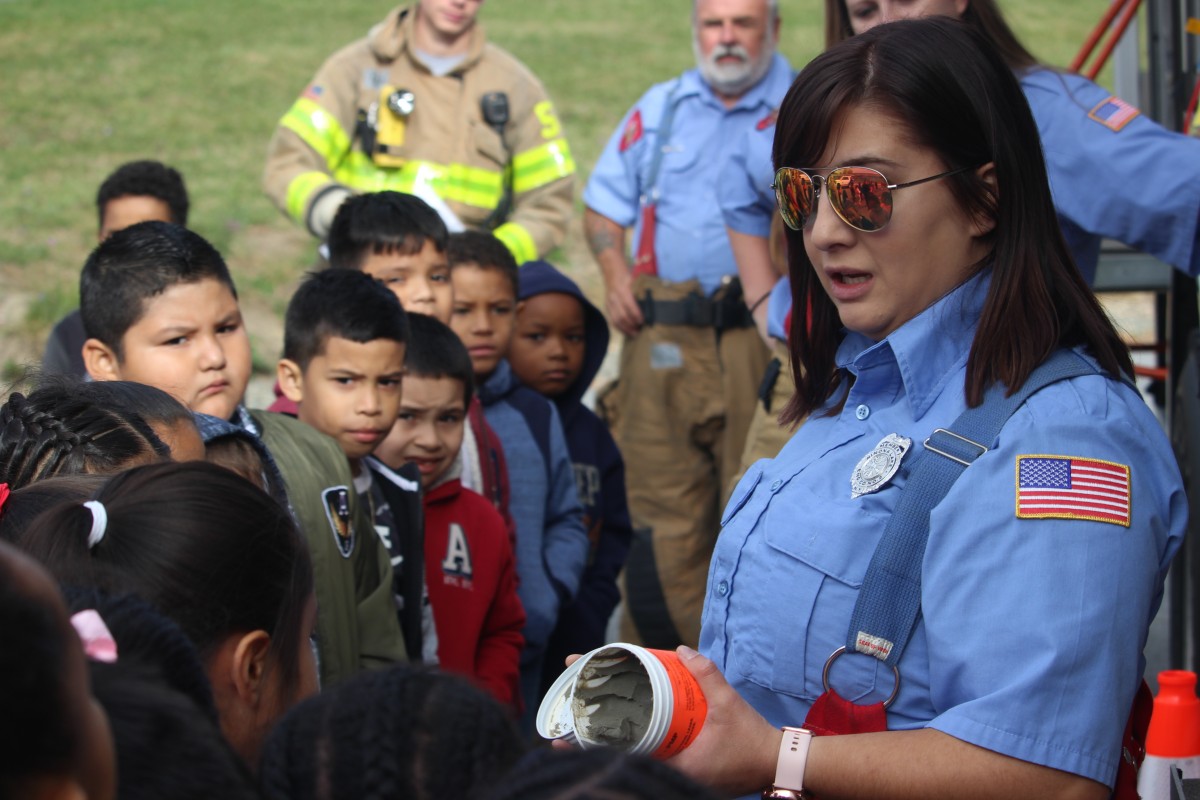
(923,234)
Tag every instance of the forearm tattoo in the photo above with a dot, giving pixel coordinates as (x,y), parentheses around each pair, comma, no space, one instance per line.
(599,236)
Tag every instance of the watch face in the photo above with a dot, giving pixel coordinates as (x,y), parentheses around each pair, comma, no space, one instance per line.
(775,793)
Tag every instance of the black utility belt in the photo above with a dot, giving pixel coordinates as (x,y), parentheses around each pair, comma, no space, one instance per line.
(723,311)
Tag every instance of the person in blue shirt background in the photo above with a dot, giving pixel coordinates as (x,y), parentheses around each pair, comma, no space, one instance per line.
(748,209)
(935,270)
(1114,172)
(691,359)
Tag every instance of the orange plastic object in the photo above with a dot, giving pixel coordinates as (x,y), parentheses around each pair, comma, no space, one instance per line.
(1175,723)
(690,707)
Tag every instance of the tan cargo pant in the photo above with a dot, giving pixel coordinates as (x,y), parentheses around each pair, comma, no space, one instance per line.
(684,402)
(766,437)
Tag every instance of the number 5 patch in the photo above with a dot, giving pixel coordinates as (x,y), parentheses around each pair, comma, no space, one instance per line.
(551,127)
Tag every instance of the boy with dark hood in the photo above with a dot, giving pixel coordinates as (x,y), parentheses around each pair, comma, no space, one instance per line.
(560,342)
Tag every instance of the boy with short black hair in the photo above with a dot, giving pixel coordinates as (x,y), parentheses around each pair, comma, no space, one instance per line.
(343,359)
(484,273)
(139,191)
(551,542)
(399,241)
(560,343)
(345,337)
(160,308)
(469,563)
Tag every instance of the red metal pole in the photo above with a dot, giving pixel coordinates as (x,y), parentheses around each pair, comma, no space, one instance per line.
(1126,17)
(1191,108)
(1088,46)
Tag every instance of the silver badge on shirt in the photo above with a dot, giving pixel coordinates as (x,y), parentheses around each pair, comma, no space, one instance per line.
(878,466)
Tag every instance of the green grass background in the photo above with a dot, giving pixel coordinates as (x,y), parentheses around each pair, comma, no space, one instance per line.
(86,85)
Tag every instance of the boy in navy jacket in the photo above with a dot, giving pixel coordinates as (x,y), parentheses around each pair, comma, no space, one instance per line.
(559,345)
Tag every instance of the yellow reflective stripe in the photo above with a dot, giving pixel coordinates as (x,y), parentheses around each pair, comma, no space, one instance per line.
(319,130)
(456,183)
(302,187)
(541,165)
(518,241)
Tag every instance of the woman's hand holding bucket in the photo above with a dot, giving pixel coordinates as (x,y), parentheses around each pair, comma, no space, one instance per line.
(736,750)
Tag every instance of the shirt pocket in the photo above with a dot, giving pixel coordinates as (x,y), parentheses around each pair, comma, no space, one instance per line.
(679,155)
(675,179)
(818,551)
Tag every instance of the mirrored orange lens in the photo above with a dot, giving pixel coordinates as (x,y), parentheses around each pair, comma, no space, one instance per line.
(861,197)
(794,194)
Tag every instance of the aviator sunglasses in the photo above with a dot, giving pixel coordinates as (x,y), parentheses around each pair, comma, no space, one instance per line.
(861,196)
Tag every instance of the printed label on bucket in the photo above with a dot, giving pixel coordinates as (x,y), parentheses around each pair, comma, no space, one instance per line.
(690,707)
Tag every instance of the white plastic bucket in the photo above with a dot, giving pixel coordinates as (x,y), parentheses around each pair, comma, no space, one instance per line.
(625,696)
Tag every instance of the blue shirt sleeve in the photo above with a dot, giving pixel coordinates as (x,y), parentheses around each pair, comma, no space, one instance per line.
(1028,621)
(779,305)
(1112,175)
(746,198)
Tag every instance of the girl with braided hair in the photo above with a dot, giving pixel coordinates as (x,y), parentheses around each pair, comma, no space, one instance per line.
(219,558)
(171,421)
(405,732)
(58,431)
(150,639)
(160,706)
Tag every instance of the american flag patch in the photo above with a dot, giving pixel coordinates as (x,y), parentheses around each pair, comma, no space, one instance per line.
(313,92)
(1114,113)
(1060,487)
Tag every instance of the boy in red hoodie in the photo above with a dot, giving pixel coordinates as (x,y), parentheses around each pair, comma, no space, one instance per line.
(470,571)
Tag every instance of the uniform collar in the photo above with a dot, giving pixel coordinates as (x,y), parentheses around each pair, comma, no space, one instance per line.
(926,352)
(765,94)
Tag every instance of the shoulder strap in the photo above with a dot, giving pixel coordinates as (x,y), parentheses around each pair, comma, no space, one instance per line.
(889,601)
(662,138)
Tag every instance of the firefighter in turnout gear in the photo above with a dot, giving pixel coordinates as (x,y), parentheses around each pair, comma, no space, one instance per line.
(425,105)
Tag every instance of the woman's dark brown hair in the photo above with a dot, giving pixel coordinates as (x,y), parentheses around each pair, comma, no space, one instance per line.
(955,95)
(982,15)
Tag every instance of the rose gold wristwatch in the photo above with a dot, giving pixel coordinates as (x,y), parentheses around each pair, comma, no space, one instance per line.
(789,770)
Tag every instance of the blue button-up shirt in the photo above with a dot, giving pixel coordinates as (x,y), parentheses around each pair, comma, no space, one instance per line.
(1032,630)
(690,240)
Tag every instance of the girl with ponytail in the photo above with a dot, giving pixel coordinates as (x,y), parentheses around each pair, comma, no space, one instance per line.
(217,556)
